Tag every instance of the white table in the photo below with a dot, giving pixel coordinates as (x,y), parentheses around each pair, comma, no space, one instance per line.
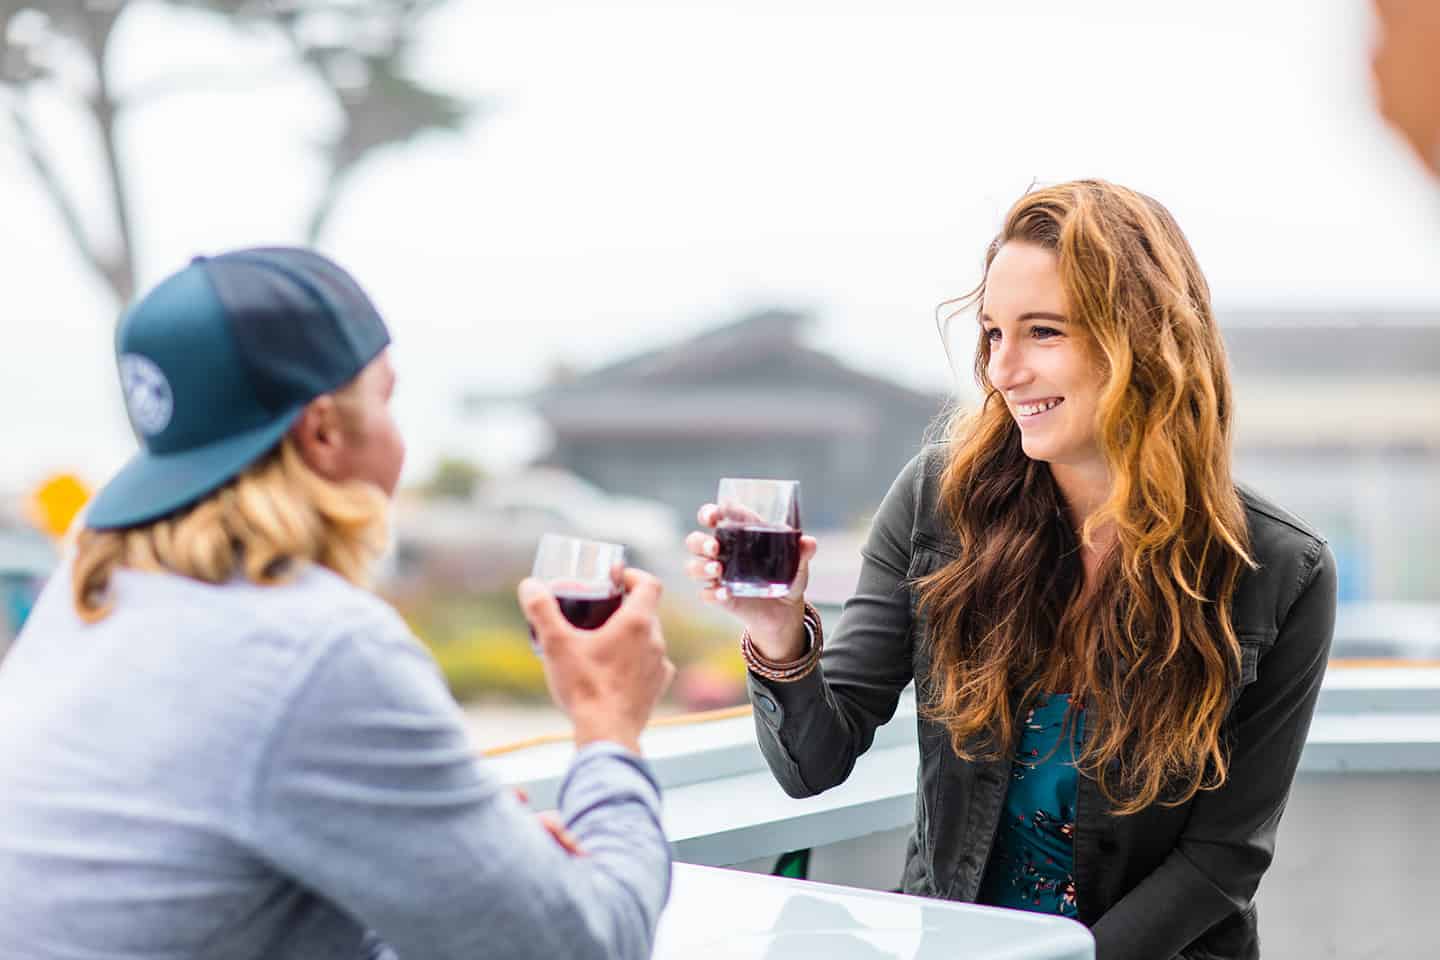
(716,913)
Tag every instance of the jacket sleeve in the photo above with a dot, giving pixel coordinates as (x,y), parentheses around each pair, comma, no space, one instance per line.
(1229,839)
(372,796)
(812,730)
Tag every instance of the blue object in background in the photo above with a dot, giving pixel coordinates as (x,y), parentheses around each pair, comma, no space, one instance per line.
(17,596)
(1352,568)
(26,560)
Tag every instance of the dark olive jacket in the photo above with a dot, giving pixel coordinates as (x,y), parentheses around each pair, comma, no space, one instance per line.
(1166,882)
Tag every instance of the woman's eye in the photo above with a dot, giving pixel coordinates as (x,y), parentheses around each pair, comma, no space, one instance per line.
(1044,333)
(992,334)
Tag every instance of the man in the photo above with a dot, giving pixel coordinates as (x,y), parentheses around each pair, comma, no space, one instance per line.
(1406,66)
(219,744)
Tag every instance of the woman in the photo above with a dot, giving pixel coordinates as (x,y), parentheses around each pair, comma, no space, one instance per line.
(219,743)
(1116,652)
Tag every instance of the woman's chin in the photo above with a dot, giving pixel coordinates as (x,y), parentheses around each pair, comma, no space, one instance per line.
(1037,450)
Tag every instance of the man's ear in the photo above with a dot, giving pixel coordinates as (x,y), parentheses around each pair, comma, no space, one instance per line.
(319,438)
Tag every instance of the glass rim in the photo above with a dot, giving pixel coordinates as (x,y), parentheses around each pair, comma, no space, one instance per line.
(790,483)
(559,538)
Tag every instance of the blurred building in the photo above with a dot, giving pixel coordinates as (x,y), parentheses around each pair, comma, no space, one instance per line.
(1338,419)
(745,400)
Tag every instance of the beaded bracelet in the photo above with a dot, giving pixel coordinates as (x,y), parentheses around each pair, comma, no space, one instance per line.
(789,670)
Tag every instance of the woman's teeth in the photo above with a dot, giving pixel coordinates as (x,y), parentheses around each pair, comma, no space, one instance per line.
(1030,409)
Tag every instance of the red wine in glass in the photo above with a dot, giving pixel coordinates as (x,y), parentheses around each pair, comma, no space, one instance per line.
(583,575)
(587,611)
(759,561)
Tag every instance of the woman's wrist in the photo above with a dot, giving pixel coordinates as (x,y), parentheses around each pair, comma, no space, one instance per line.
(792,668)
(789,642)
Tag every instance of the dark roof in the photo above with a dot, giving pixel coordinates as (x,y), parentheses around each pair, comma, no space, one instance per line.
(761,352)
(726,347)
(672,412)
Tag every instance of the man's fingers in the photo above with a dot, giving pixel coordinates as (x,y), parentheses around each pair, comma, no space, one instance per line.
(708,515)
(539,606)
(553,825)
(642,591)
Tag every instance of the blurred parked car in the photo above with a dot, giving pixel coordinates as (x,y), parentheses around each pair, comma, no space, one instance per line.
(561,502)
(489,539)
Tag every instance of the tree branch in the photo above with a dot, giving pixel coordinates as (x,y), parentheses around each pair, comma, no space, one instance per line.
(207,81)
(60,198)
(100,22)
(320,215)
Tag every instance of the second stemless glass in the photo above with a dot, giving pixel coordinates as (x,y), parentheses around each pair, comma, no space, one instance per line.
(583,575)
(759,536)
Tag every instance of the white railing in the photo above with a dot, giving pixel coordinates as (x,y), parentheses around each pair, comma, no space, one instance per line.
(723,807)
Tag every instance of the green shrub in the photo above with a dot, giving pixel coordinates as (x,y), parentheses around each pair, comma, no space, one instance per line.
(491,661)
(483,646)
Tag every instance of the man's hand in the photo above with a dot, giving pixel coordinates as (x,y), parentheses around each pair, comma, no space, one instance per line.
(554,826)
(1406,68)
(551,823)
(609,679)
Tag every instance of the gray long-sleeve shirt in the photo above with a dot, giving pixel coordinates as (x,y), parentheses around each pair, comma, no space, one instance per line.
(246,772)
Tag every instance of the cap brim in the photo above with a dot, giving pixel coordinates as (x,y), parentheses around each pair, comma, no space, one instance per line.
(151,485)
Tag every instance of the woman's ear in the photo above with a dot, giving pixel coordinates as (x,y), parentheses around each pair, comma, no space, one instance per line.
(318,436)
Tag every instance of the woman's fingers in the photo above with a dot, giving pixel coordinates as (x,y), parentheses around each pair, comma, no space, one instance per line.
(735,512)
(711,514)
(718,596)
(703,569)
(702,544)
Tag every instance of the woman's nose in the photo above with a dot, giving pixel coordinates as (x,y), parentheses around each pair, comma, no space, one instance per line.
(1007,367)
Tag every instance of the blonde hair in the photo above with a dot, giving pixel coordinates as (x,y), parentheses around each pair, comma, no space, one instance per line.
(269,522)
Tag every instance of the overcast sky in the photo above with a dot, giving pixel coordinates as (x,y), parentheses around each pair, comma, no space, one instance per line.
(651,169)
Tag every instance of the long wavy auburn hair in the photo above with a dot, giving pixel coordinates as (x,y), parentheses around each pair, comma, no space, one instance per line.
(1148,648)
(267,524)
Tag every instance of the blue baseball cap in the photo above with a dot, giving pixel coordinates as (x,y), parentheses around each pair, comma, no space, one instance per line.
(217,363)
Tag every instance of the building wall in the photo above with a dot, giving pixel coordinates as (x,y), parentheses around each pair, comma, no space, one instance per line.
(1380,509)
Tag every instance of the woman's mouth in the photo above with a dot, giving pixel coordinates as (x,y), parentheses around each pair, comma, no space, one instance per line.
(1037,408)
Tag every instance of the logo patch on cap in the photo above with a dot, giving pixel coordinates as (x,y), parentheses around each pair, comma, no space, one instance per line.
(147,394)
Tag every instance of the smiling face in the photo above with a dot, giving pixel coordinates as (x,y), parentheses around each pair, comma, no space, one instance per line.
(1040,360)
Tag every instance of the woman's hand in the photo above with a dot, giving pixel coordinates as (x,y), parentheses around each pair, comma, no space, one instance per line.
(777,626)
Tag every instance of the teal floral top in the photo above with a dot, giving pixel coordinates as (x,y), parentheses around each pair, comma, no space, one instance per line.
(1032,863)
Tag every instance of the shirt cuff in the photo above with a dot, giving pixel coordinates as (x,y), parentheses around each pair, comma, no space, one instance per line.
(604,773)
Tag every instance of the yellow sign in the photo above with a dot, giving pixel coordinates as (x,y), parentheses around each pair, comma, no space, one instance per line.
(55,503)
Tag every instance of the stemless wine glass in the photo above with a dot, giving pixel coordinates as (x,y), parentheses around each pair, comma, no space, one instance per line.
(584,575)
(759,536)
